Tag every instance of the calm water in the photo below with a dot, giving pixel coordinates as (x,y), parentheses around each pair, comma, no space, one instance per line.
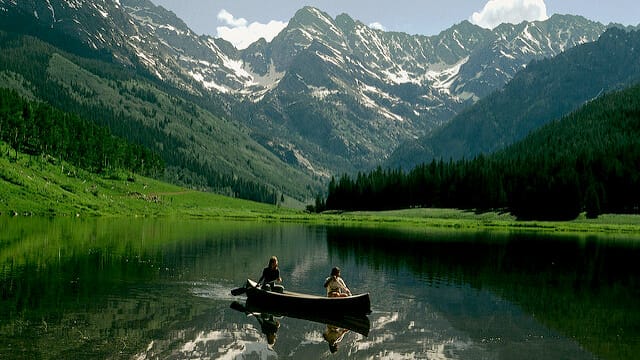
(159,289)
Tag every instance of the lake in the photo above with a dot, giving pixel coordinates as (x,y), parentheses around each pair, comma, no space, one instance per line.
(160,289)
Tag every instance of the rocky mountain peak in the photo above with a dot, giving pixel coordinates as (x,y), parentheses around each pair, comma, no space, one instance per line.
(346,22)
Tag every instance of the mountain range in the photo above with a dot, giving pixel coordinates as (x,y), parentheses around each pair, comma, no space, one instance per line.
(325,96)
(544,91)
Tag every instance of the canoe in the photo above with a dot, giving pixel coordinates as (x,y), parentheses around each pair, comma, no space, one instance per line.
(359,323)
(359,304)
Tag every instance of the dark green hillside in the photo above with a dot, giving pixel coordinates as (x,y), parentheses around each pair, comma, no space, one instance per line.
(587,161)
(200,150)
(38,129)
(544,91)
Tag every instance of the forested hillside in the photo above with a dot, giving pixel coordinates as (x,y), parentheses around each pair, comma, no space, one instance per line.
(587,161)
(39,129)
(199,149)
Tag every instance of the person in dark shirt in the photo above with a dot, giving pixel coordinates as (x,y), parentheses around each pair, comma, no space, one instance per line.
(271,275)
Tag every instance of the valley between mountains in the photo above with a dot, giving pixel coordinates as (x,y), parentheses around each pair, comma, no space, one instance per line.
(326,96)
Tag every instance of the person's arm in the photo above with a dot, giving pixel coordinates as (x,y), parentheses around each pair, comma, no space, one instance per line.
(327,281)
(344,286)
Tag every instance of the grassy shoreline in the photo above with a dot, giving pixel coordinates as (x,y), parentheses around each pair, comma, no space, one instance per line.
(31,186)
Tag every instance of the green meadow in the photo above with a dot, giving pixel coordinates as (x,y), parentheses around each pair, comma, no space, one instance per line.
(36,186)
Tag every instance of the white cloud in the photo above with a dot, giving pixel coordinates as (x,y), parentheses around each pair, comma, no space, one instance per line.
(242,34)
(378,26)
(496,12)
(230,20)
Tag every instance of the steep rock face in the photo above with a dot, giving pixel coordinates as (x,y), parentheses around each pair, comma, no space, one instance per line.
(172,51)
(337,94)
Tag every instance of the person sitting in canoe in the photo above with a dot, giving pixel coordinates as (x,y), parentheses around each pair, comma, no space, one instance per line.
(271,275)
(335,285)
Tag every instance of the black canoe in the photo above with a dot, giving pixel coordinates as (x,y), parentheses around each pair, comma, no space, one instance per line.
(291,301)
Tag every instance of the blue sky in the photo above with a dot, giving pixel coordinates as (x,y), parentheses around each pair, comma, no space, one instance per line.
(244,21)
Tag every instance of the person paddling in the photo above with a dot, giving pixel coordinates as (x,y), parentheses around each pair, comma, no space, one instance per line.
(335,285)
(271,275)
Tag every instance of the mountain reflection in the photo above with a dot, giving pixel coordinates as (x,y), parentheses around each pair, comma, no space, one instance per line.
(231,343)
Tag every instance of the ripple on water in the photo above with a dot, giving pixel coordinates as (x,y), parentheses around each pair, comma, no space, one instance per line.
(211,290)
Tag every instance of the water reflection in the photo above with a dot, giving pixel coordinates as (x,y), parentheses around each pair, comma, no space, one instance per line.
(334,335)
(149,289)
(581,287)
(336,326)
(269,325)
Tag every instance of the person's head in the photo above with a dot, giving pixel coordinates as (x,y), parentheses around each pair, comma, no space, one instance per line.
(273,262)
(335,271)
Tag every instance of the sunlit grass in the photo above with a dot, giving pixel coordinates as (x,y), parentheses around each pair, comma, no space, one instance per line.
(36,186)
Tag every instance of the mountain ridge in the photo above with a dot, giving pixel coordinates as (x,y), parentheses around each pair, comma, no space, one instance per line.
(390,84)
(546,90)
(326,95)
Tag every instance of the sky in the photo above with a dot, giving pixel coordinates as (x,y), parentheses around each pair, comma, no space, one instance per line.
(244,21)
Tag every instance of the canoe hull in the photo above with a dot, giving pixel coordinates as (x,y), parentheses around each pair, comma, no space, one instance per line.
(290,301)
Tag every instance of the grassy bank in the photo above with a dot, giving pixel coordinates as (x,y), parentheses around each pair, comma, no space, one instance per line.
(46,187)
(32,186)
(469,220)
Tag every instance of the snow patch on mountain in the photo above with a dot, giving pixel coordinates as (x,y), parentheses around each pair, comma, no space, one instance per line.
(444,78)
(379,93)
(400,76)
(327,21)
(335,60)
(211,85)
(372,104)
(270,79)
(321,92)
(373,44)
(53,12)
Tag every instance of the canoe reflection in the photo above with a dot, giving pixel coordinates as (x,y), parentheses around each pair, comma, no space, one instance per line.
(356,323)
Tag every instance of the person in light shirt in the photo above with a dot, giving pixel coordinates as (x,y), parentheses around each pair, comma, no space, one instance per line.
(335,285)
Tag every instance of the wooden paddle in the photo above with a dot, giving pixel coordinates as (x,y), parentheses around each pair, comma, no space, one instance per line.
(238,291)
(239,307)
